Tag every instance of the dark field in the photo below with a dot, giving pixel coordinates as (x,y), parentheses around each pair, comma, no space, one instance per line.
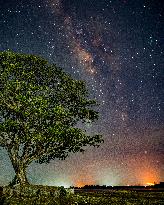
(92,198)
(123,197)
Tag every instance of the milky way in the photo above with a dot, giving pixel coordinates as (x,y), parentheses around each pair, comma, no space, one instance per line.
(117,48)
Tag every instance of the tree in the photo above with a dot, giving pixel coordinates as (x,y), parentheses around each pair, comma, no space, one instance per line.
(40,106)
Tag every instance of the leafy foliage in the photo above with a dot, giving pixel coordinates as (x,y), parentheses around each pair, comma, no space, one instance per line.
(40,106)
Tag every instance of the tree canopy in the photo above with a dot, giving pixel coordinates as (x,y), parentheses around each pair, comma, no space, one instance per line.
(40,106)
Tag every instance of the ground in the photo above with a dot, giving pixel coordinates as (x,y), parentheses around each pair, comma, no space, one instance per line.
(46,196)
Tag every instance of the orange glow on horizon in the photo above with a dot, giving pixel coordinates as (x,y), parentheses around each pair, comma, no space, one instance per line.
(137,170)
(148,176)
(80,184)
(84,179)
(149,184)
(146,173)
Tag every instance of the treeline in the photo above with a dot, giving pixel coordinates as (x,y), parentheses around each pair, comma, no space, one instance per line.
(160,185)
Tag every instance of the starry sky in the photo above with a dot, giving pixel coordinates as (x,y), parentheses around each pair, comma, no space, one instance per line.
(117,48)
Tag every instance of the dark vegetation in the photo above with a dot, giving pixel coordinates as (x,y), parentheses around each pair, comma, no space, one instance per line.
(154,187)
(44,195)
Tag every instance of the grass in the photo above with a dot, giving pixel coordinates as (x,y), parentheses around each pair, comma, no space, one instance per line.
(100,198)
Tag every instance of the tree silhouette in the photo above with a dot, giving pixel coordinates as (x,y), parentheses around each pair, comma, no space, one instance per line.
(40,106)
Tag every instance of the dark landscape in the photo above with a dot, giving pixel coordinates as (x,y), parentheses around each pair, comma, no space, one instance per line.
(96,195)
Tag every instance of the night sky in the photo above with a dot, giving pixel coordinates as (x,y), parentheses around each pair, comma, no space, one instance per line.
(117,48)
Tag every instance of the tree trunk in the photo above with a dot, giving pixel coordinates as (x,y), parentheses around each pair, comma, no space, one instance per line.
(19,166)
(20,175)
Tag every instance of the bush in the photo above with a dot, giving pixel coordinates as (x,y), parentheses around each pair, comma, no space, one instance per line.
(62,192)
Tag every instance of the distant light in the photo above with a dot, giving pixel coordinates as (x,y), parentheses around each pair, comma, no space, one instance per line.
(149,184)
(58,183)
